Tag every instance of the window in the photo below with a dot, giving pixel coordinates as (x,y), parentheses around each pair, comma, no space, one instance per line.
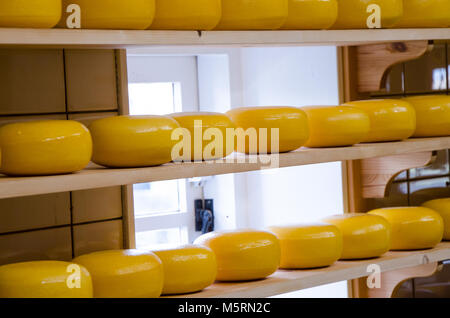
(164,209)
(154,98)
(159,239)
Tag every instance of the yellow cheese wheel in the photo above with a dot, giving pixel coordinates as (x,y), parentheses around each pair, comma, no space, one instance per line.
(253,14)
(390,119)
(124,273)
(333,126)
(244,254)
(133,141)
(44,147)
(291,123)
(29,13)
(353,14)
(187,269)
(187,15)
(441,206)
(412,227)
(425,14)
(365,236)
(433,115)
(308,245)
(311,14)
(45,279)
(213,128)
(112,14)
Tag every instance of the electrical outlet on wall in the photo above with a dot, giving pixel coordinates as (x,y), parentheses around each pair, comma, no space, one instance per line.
(204,215)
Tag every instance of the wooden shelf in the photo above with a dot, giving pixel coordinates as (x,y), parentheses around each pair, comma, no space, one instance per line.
(127,38)
(284,281)
(98,177)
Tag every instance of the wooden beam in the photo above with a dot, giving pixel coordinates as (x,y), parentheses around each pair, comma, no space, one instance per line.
(64,38)
(98,177)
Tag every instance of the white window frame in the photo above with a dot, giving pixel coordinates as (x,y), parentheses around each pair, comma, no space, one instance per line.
(157,69)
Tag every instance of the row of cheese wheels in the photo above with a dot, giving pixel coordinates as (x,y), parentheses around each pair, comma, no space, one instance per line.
(55,147)
(240,255)
(225,14)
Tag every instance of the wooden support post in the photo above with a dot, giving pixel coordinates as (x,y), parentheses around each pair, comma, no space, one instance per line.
(374,60)
(391,281)
(378,173)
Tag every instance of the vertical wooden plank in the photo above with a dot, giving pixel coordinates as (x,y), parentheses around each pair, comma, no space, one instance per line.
(354,195)
(351,169)
(97,236)
(122,82)
(129,234)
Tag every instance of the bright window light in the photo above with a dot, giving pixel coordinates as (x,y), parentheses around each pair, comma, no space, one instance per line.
(154,98)
(158,197)
(160,239)
(163,197)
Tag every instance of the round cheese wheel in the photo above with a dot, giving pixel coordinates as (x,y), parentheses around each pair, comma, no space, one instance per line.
(441,206)
(354,14)
(289,124)
(333,126)
(44,147)
(433,115)
(133,141)
(365,236)
(311,14)
(390,119)
(112,14)
(124,273)
(308,245)
(412,227)
(208,135)
(45,279)
(253,14)
(244,254)
(425,14)
(187,269)
(29,14)
(187,15)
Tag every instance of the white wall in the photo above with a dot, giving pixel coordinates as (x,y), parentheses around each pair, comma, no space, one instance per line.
(289,77)
(215,84)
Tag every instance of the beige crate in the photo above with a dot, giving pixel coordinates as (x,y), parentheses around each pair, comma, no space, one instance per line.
(91,80)
(31,81)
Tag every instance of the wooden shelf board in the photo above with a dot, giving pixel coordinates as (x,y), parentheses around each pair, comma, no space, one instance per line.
(130,38)
(99,177)
(284,281)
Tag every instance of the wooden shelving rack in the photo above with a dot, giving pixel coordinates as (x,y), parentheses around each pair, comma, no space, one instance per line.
(125,39)
(96,177)
(285,281)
